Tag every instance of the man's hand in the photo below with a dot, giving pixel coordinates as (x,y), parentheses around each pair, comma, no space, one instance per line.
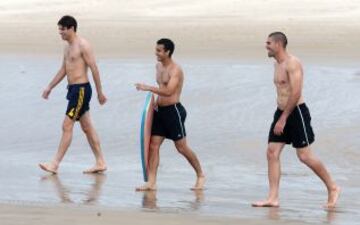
(141,87)
(279,126)
(46,93)
(102,98)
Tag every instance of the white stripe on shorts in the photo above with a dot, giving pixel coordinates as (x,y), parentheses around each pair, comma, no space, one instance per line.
(303,123)
(182,128)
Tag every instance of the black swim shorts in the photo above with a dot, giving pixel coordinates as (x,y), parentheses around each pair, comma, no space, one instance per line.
(297,131)
(168,122)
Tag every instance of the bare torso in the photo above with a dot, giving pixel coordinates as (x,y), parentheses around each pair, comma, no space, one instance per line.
(282,82)
(163,76)
(75,65)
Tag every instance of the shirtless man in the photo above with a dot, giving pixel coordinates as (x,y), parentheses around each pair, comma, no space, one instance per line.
(169,116)
(291,123)
(78,56)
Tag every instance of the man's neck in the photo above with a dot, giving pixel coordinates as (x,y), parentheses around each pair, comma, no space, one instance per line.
(281,57)
(166,62)
(72,39)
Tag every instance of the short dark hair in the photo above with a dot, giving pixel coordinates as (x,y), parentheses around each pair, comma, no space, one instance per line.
(279,37)
(68,22)
(168,45)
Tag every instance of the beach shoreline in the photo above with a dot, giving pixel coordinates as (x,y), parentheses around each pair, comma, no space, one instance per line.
(234,31)
(16,214)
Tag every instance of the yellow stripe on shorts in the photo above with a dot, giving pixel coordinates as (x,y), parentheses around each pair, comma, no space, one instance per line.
(79,103)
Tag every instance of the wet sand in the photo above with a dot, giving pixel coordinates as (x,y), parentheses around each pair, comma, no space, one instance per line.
(236,138)
(228,94)
(57,215)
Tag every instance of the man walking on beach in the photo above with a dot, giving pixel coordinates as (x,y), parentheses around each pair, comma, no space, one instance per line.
(78,56)
(291,123)
(169,116)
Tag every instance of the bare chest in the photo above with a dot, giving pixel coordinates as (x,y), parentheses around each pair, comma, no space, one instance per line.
(73,54)
(281,76)
(162,76)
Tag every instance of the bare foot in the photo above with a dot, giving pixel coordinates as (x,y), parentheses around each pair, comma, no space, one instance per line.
(199,185)
(146,187)
(266,203)
(48,167)
(333,197)
(96,169)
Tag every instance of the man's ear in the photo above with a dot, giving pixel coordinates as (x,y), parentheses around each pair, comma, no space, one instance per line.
(277,44)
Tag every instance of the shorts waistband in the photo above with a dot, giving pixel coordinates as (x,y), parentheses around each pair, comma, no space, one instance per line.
(78,85)
(302,105)
(169,106)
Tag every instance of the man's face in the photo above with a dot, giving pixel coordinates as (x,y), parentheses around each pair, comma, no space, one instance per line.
(160,53)
(64,32)
(272,47)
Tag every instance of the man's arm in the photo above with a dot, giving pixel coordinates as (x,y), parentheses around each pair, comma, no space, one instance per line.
(165,91)
(55,81)
(89,59)
(295,76)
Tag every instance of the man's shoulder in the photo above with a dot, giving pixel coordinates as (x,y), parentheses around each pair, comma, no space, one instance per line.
(293,62)
(292,59)
(83,43)
(176,67)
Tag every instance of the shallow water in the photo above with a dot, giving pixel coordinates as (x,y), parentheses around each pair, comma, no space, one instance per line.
(230,108)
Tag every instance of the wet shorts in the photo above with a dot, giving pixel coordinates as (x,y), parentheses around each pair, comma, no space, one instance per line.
(79,96)
(168,122)
(297,131)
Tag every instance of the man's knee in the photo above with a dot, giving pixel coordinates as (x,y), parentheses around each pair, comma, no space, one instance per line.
(273,153)
(181,146)
(154,146)
(85,122)
(86,127)
(304,155)
(67,126)
(155,143)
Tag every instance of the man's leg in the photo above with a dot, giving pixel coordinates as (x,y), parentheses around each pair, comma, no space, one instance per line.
(93,139)
(308,158)
(183,148)
(274,172)
(65,141)
(154,158)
